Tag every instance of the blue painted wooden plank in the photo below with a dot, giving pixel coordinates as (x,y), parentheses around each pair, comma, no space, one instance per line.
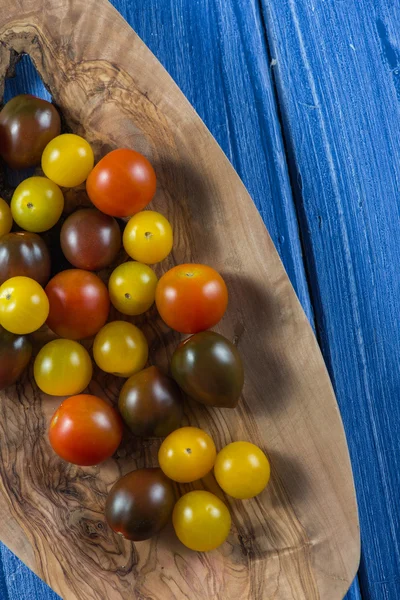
(17,582)
(338,83)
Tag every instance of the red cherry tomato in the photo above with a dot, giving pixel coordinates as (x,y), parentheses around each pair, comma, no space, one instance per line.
(85,430)
(79,304)
(191,298)
(122,183)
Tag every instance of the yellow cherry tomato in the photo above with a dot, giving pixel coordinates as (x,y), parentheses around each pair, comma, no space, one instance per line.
(37,204)
(24,306)
(187,454)
(201,521)
(242,470)
(6,219)
(62,368)
(132,288)
(67,160)
(148,237)
(120,348)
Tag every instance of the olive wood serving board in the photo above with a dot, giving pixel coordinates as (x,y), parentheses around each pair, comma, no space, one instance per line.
(299,540)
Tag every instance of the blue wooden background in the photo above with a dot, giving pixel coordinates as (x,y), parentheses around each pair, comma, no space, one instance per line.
(304,98)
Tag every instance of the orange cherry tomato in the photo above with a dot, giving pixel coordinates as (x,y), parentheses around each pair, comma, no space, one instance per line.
(122,183)
(191,298)
(85,430)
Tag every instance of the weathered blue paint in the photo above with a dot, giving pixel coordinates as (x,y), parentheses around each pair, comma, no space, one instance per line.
(337,77)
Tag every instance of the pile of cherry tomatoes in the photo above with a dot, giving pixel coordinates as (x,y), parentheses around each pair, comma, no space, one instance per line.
(75,303)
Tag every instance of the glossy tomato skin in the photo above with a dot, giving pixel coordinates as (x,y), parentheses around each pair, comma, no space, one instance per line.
(67,160)
(25,254)
(120,348)
(242,470)
(132,288)
(191,298)
(148,237)
(122,183)
(24,306)
(37,204)
(85,430)
(140,504)
(151,403)
(90,239)
(187,454)
(208,368)
(62,368)
(6,219)
(27,124)
(201,521)
(15,354)
(79,304)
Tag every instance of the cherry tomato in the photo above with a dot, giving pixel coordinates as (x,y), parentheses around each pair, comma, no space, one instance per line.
(148,237)
(90,240)
(37,204)
(27,124)
(201,521)
(140,504)
(122,183)
(85,430)
(67,160)
(242,470)
(23,305)
(132,288)
(209,369)
(120,348)
(151,403)
(79,304)
(187,454)
(15,354)
(191,298)
(62,368)
(24,253)
(6,219)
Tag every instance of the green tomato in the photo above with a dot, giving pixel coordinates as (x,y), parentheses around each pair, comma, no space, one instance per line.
(209,369)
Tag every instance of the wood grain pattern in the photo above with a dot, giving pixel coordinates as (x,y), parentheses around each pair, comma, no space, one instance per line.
(337,75)
(299,540)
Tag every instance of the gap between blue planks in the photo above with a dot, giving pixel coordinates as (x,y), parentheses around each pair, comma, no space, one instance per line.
(223,67)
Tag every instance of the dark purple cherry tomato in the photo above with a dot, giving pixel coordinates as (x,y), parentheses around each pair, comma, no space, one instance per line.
(90,239)
(26,254)
(27,124)
(140,504)
(151,403)
(15,354)
(209,369)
